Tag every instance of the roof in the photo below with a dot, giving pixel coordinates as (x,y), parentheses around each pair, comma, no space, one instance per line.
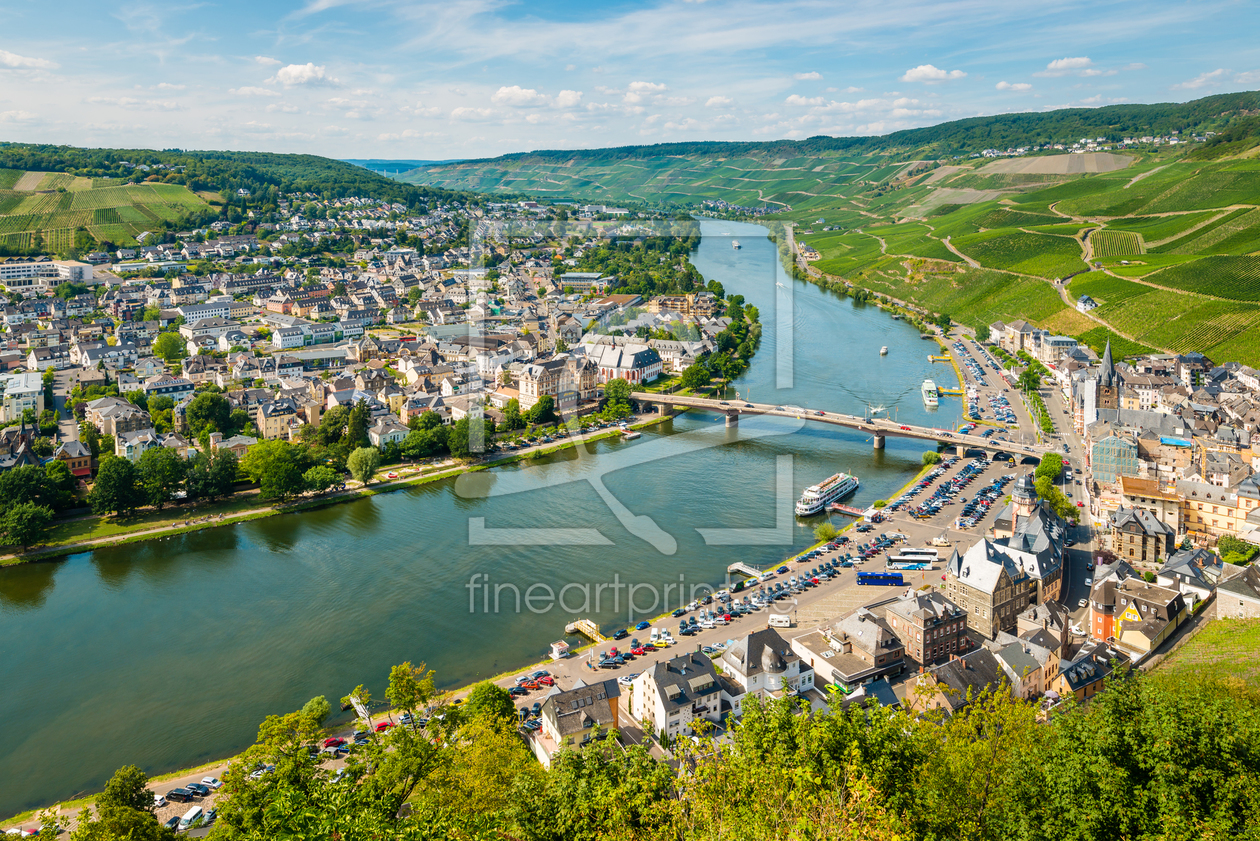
(1245,586)
(760,651)
(680,680)
(583,707)
(965,678)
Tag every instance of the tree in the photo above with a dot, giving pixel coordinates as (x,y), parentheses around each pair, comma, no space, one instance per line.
(410,687)
(423,443)
(1029,380)
(170,346)
(1234,550)
(544,411)
(25,523)
(1051,466)
(277,466)
(425,420)
(363,463)
(982,333)
(320,478)
(463,437)
(208,411)
(357,424)
(825,532)
(211,475)
(161,471)
(116,489)
(317,709)
(931,457)
(512,415)
(491,703)
(91,436)
(694,377)
(128,788)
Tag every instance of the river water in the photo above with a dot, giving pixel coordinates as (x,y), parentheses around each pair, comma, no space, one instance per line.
(169,653)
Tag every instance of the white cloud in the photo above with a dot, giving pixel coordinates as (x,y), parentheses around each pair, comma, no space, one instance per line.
(637,92)
(1017,86)
(266,61)
(472,114)
(133,104)
(250,90)
(17,116)
(303,74)
(282,107)
(718,101)
(813,75)
(568,99)
(518,96)
(1248,78)
(1076,65)
(852,89)
(167,86)
(930,74)
(1203,80)
(21,62)
(797,99)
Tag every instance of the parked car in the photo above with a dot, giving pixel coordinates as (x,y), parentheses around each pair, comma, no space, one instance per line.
(214,782)
(172,823)
(179,795)
(382,726)
(198,789)
(158,801)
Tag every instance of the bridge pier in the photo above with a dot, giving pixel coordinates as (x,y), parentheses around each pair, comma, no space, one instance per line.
(961,450)
(732,418)
(879,441)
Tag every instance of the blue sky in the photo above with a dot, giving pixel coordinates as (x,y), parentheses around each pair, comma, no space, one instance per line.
(465,78)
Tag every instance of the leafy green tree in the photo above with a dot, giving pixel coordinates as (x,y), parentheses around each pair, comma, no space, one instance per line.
(161,473)
(1051,466)
(28,484)
(139,398)
(208,411)
(512,415)
(317,709)
(357,425)
(1029,380)
(982,333)
(128,788)
(616,399)
(410,687)
(211,475)
(170,346)
(25,523)
(825,531)
(423,443)
(277,466)
(320,478)
(491,703)
(91,436)
(424,420)
(544,411)
(461,439)
(694,377)
(363,463)
(931,457)
(117,488)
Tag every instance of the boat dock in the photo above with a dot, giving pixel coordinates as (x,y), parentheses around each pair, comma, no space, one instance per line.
(943,390)
(939,359)
(586,628)
(840,508)
(746,569)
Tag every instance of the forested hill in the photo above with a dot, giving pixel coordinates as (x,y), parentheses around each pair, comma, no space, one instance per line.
(264,174)
(1113,122)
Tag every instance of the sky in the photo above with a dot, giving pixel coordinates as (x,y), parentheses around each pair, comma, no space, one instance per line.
(406,79)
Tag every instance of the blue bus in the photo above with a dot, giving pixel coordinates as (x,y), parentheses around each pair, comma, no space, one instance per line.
(886,578)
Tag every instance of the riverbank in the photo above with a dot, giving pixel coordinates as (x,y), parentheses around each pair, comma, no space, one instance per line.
(236,511)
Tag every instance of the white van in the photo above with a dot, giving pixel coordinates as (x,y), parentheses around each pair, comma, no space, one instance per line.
(190,817)
(656,634)
(780,620)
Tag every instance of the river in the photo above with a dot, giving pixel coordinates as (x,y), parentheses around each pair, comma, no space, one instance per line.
(169,653)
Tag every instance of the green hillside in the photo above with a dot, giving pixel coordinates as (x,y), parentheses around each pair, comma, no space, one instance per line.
(1173,230)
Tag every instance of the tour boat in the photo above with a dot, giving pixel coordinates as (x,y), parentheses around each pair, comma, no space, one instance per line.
(630,434)
(883,351)
(816,498)
(931,396)
(735,244)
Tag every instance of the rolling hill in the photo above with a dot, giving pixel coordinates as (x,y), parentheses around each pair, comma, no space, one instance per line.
(1171,231)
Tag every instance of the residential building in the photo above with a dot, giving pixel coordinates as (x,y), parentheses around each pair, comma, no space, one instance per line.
(764,665)
(570,718)
(958,682)
(20,392)
(114,416)
(1084,674)
(387,430)
(930,626)
(168,385)
(1137,535)
(132,445)
(77,457)
(857,648)
(1239,597)
(1193,572)
(673,693)
(1124,610)
(274,417)
(991,585)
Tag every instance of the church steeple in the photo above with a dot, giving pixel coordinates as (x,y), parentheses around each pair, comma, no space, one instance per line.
(1107,372)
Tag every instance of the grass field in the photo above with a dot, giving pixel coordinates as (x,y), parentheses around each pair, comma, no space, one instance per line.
(1035,254)
(1096,339)
(974,296)
(1104,288)
(1158,228)
(111,211)
(1224,650)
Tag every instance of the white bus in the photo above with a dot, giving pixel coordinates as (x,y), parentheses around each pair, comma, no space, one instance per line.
(926,552)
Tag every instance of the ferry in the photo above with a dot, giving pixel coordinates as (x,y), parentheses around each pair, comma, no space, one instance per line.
(883,351)
(816,498)
(735,244)
(931,396)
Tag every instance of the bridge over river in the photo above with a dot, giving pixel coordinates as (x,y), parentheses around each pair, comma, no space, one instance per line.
(877,428)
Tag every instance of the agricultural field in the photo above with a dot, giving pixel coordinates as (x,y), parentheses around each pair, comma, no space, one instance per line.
(1104,288)
(1108,243)
(912,240)
(1237,234)
(974,296)
(1156,229)
(1096,339)
(1224,650)
(1034,254)
(65,204)
(1236,278)
(1171,320)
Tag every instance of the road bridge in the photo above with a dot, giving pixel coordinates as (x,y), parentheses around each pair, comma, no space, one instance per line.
(877,428)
